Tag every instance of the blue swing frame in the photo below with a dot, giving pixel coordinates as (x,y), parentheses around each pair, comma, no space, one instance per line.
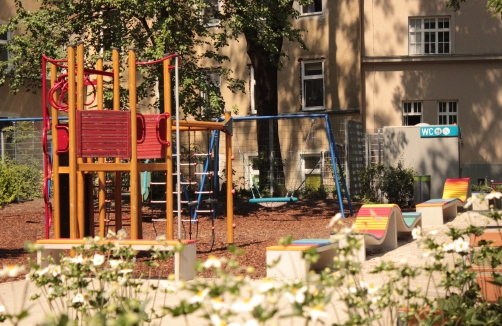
(335,159)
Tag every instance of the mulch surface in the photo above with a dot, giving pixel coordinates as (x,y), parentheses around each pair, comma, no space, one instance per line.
(256,228)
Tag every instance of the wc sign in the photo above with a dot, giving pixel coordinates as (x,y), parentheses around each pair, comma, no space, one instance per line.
(438,131)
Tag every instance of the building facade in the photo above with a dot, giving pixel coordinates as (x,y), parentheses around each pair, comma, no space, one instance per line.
(425,63)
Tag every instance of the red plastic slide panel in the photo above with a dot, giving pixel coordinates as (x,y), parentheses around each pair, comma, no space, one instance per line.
(104,134)
(63,140)
(151,148)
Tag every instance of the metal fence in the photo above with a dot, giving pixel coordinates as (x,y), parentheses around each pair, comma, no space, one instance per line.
(373,148)
(22,142)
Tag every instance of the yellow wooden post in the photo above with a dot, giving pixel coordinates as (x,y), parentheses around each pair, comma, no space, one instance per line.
(134,176)
(55,161)
(230,188)
(101,175)
(116,107)
(72,138)
(169,152)
(80,174)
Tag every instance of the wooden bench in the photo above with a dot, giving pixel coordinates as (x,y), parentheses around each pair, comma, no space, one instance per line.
(291,265)
(455,194)
(381,223)
(435,211)
(184,260)
(489,291)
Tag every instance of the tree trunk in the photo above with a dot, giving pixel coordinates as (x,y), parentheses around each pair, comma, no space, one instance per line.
(266,103)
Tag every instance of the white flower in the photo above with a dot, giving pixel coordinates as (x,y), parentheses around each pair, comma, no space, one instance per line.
(448,246)
(417,233)
(56,270)
(218,304)
(469,202)
(98,259)
(372,289)
(121,234)
(493,195)
(78,260)
(11,270)
(427,253)
(125,271)
(79,298)
(43,271)
(169,286)
(217,321)
(433,232)
(115,263)
(199,297)
(266,285)
(461,245)
(315,313)
(403,261)
(335,219)
(248,304)
(212,261)
(2,310)
(297,295)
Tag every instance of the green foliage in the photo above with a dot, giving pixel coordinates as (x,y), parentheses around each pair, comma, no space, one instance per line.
(153,28)
(395,183)
(19,181)
(311,192)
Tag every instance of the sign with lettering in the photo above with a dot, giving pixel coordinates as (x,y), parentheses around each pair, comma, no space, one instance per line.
(438,131)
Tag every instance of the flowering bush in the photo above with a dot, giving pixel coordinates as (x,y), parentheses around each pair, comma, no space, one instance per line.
(95,287)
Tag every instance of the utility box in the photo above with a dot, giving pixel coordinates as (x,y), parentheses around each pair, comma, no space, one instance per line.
(422,189)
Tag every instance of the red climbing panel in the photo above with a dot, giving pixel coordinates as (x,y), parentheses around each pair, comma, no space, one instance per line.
(104,134)
(152,147)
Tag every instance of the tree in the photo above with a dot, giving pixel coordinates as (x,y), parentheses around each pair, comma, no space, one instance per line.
(265,24)
(494,5)
(153,28)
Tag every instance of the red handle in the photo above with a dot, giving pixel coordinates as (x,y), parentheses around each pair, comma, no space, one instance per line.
(143,136)
(157,130)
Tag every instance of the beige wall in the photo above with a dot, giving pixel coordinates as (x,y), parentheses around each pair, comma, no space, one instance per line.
(333,36)
(472,75)
(476,31)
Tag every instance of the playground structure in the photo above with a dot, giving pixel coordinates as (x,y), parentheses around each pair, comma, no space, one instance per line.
(306,149)
(99,141)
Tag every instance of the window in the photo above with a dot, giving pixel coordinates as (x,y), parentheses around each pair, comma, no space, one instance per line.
(429,36)
(313,165)
(412,113)
(253,91)
(210,12)
(312,8)
(4,54)
(312,85)
(447,113)
(209,93)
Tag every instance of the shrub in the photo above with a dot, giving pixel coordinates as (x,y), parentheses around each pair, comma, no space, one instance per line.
(394,182)
(19,181)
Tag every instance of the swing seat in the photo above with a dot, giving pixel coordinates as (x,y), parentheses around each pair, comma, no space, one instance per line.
(273,201)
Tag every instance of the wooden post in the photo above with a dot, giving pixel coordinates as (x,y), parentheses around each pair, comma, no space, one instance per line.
(101,175)
(72,138)
(230,188)
(116,107)
(134,172)
(169,151)
(80,174)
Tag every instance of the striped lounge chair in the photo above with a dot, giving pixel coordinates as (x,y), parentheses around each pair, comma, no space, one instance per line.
(455,194)
(380,224)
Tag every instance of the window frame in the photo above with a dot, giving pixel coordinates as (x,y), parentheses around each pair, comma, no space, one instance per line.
(209,73)
(312,77)
(214,21)
(405,115)
(4,42)
(317,170)
(252,85)
(312,13)
(447,114)
(422,31)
